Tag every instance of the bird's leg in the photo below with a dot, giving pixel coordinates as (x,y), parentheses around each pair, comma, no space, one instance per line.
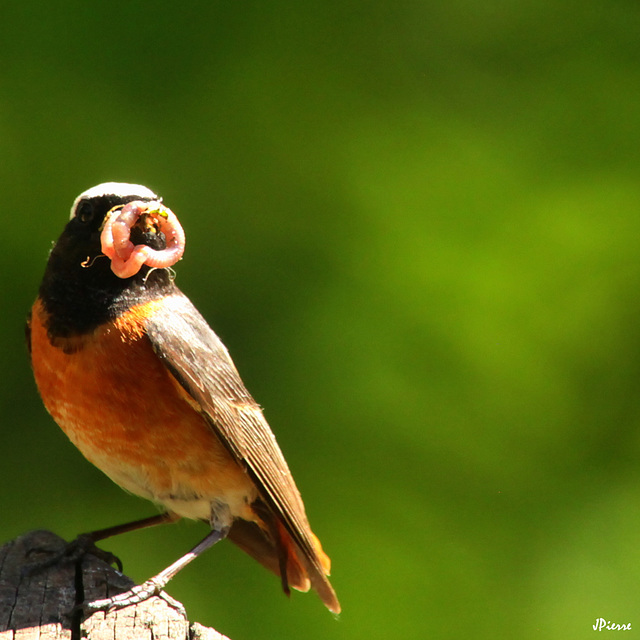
(85,542)
(155,585)
(109,532)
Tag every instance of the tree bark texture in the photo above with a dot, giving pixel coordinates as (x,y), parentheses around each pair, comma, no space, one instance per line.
(39,604)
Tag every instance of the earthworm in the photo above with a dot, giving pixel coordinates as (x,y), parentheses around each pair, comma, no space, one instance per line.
(127,258)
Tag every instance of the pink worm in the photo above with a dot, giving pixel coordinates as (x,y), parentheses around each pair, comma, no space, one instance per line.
(127,258)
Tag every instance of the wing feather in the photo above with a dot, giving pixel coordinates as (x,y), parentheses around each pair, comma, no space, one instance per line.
(200,362)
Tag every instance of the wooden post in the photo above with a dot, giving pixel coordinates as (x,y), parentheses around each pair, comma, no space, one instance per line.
(37,605)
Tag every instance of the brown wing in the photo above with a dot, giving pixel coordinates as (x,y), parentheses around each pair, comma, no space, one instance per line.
(201,363)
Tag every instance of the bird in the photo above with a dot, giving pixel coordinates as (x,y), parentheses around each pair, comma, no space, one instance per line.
(144,388)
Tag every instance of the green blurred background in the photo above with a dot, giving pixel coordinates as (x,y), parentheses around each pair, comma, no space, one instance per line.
(416,227)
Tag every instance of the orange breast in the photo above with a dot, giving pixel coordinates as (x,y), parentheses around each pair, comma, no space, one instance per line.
(126,413)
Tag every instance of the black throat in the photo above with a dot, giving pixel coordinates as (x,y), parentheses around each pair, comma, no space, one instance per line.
(80,292)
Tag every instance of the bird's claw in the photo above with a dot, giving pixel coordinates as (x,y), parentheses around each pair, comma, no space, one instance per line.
(72,553)
(134,596)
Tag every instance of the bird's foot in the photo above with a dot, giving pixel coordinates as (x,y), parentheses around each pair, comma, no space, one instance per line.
(72,553)
(135,595)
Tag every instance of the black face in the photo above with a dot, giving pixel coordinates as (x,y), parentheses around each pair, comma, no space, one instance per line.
(90,212)
(80,240)
(79,289)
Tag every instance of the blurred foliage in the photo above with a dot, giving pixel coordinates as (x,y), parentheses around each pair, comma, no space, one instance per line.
(416,226)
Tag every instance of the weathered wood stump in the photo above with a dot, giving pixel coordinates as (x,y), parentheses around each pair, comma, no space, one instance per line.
(40,604)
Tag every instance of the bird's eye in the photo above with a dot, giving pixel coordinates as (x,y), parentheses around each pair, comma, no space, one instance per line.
(85,212)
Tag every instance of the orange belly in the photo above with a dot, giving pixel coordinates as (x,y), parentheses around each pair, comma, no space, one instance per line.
(126,413)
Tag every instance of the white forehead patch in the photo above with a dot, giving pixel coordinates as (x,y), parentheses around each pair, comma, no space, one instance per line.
(114,189)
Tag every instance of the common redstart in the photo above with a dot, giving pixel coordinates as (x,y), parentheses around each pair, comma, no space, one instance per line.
(141,384)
